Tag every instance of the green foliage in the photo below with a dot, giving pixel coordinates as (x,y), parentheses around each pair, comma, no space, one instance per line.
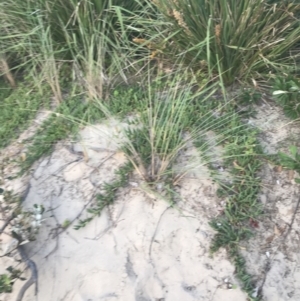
(245,38)
(248,284)
(72,113)
(5,91)
(5,284)
(242,159)
(66,224)
(286,91)
(249,96)
(64,121)
(7,280)
(91,38)
(291,162)
(226,235)
(17,110)
(157,137)
(127,100)
(70,23)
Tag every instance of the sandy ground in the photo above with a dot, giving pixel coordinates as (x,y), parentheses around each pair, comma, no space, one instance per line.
(140,248)
(273,254)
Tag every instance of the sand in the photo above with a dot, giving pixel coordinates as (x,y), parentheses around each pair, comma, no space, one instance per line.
(141,248)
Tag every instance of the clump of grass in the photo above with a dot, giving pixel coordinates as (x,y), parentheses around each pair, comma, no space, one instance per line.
(164,114)
(244,38)
(91,38)
(160,134)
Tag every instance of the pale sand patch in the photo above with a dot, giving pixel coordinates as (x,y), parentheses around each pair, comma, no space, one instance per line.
(139,249)
(273,253)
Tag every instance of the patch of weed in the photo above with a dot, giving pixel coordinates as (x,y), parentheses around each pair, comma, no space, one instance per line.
(18,108)
(5,283)
(64,121)
(74,112)
(242,160)
(249,96)
(127,100)
(286,91)
(291,161)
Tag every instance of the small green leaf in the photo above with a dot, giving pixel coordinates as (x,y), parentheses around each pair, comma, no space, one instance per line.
(293,150)
(294,89)
(66,224)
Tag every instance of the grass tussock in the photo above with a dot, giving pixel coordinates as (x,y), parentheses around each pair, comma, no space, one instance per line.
(89,40)
(248,38)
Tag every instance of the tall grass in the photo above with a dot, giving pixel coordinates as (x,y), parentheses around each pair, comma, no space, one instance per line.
(89,38)
(179,114)
(248,38)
